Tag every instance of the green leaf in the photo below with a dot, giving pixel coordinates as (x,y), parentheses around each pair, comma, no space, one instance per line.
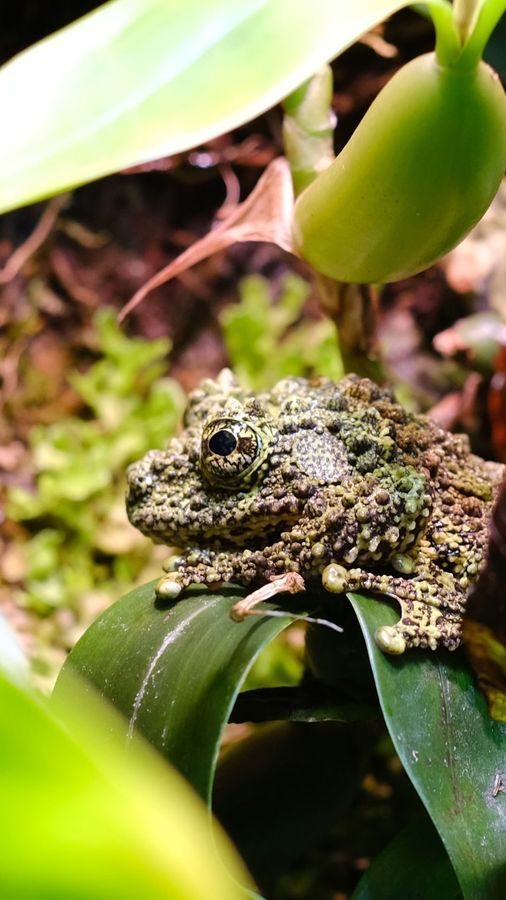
(414,866)
(82,820)
(174,670)
(454,753)
(140,79)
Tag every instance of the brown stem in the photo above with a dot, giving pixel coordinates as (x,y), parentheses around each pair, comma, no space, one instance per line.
(354,310)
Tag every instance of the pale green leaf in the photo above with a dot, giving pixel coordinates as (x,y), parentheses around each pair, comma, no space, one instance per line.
(139,79)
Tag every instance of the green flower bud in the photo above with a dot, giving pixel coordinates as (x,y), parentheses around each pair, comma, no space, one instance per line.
(419,171)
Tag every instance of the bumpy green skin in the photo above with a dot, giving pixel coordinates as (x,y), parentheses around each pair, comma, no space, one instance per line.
(331,480)
(419,171)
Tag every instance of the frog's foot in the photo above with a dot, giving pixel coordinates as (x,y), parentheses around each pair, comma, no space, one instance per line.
(431,611)
(194,567)
(213,568)
(172,583)
(420,625)
(168,588)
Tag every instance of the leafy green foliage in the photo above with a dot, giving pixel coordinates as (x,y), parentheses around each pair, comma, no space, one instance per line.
(280,663)
(80,551)
(269,340)
(174,670)
(80,534)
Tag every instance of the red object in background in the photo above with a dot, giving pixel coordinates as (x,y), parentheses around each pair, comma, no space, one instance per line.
(497,405)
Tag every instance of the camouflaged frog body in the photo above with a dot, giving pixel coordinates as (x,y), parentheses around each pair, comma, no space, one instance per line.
(330,480)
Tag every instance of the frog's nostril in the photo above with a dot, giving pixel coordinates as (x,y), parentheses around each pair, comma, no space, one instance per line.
(138,485)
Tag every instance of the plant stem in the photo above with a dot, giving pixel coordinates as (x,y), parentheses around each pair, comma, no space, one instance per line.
(465,13)
(353,309)
(448,43)
(308,128)
(488,16)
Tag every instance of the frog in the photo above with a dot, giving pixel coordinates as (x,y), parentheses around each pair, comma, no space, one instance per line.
(329,482)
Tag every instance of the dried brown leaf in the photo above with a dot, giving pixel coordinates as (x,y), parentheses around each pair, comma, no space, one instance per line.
(266,215)
(497,405)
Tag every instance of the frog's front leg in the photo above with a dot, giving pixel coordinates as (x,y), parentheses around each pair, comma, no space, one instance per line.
(431,606)
(216,567)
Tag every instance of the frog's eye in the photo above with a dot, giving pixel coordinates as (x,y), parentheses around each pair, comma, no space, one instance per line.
(231,450)
(222,442)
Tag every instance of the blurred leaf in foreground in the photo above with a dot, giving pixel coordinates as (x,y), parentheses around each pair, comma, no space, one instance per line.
(12,659)
(83,820)
(139,79)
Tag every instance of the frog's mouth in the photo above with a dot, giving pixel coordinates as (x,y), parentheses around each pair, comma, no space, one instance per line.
(181,529)
(243,537)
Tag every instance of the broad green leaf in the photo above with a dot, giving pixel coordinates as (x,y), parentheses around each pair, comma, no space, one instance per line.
(140,79)
(414,866)
(82,820)
(174,670)
(454,753)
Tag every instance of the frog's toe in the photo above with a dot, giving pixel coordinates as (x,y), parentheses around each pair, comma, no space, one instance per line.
(420,625)
(168,588)
(172,563)
(390,639)
(336,579)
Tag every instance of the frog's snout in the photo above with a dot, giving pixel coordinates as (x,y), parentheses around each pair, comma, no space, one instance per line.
(137,486)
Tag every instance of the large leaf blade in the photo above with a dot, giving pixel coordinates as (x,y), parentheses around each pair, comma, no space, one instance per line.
(174,670)
(452,750)
(140,79)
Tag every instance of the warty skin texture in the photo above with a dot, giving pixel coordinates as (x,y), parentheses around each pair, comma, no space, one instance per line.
(334,481)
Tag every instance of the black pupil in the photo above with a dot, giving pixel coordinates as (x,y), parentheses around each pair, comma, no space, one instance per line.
(223,443)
